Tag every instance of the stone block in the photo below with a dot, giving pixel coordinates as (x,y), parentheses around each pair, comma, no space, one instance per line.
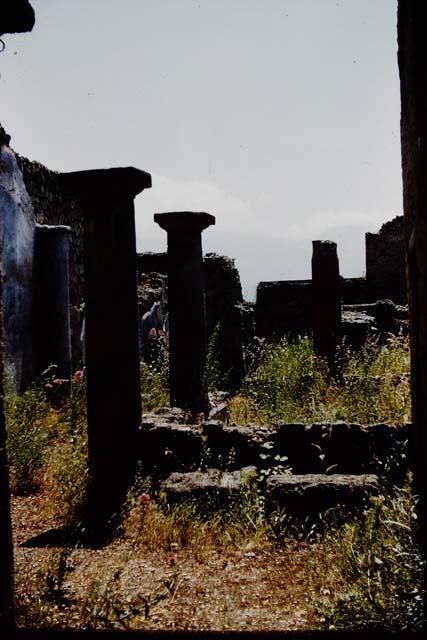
(314,493)
(212,483)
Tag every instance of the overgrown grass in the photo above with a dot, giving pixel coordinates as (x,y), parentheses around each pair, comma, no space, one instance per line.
(47,444)
(378,568)
(365,573)
(289,382)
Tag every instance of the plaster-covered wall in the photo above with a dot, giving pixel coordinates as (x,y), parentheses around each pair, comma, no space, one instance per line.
(17,225)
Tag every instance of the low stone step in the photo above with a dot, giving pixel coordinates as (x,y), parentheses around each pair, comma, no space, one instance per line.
(213,483)
(166,444)
(297,494)
(314,493)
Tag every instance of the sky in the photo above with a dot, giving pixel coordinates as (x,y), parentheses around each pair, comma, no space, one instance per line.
(279,117)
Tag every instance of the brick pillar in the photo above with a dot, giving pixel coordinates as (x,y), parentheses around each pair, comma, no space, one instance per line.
(326,300)
(412,56)
(112,351)
(187,313)
(52,299)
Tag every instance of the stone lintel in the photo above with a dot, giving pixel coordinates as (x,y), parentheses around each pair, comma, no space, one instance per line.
(184,221)
(106,184)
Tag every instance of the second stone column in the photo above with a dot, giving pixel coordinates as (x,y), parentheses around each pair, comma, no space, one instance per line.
(187,313)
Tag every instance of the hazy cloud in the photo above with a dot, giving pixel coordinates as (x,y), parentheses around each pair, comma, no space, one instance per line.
(233,214)
(321,222)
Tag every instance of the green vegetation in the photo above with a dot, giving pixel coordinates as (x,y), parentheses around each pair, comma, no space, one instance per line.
(289,382)
(379,569)
(363,573)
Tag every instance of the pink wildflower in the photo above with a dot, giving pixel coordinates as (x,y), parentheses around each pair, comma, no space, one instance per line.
(77,377)
(152,333)
(48,385)
(57,381)
(145,499)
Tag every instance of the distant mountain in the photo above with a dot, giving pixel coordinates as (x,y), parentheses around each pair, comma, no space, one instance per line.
(262,258)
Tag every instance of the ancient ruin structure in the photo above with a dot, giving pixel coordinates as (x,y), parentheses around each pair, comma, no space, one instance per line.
(386,263)
(54,205)
(187,313)
(52,300)
(17,16)
(17,231)
(286,307)
(412,56)
(326,319)
(112,352)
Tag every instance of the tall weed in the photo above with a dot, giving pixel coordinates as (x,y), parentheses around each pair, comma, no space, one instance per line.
(289,382)
(378,582)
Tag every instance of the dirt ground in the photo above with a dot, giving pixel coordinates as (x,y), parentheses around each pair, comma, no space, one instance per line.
(260,588)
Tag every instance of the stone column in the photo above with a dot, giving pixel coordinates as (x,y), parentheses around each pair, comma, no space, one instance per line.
(112,350)
(412,56)
(326,300)
(52,299)
(187,313)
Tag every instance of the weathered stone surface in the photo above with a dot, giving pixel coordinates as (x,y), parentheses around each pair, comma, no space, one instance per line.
(283,308)
(325,286)
(186,305)
(55,205)
(112,350)
(384,316)
(224,315)
(51,300)
(164,414)
(386,263)
(151,262)
(356,327)
(17,227)
(341,447)
(412,56)
(226,311)
(209,483)
(314,493)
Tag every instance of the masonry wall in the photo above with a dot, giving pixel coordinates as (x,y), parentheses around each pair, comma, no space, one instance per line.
(225,308)
(55,206)
(17,224)
(386,263)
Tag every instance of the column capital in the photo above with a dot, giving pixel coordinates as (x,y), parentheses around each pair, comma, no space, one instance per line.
(185,221)
(106,184)
(324,247)
(53,229)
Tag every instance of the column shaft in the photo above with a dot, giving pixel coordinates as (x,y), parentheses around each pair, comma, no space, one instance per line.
(187,314)
(326,300)
(52,299)
(112,345)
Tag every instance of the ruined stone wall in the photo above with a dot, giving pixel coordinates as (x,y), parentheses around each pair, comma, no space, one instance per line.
(150,262)
(283,307)
(225,314)
(224,306)
(17,225)
(386,263)
(55,206)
